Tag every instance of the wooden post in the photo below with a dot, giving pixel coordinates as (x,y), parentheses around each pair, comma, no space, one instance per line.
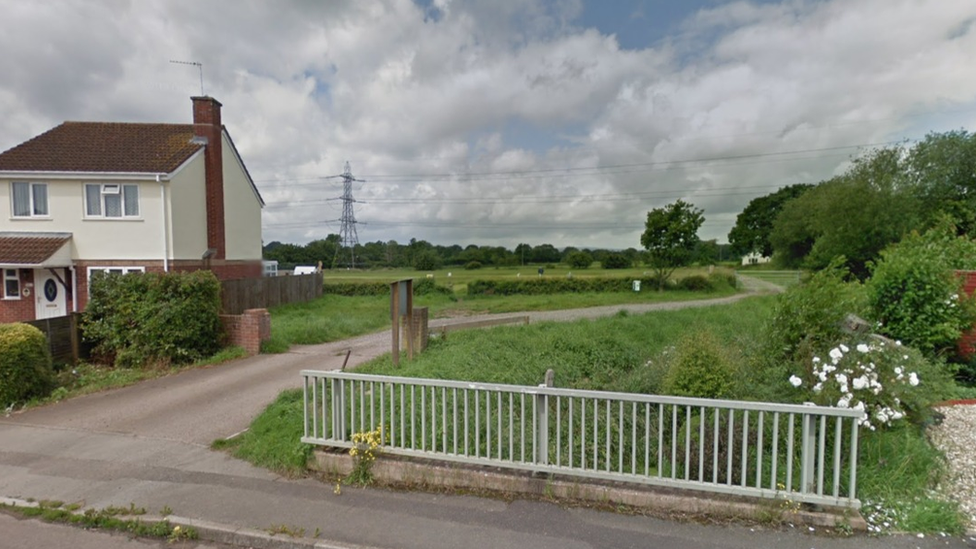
(410,328)
(395,314)
(75,339)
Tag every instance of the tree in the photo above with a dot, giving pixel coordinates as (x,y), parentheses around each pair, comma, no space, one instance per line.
(545,253)
(753,225)
(942,173)
(706,253)
(670,238)
(854,215)
(426,260)
(579,260)
(523,250)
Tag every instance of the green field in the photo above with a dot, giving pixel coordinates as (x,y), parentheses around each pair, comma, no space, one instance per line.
(458,277)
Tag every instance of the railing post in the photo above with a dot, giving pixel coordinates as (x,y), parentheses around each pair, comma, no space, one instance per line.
(808,463)
(542,421)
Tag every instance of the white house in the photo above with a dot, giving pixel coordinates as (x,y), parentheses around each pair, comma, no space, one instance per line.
(93,196)
(755,258)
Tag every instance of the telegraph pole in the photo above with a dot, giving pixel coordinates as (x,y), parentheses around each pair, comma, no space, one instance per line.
(347,229)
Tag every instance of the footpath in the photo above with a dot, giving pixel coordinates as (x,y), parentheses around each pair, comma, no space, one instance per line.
(148,445)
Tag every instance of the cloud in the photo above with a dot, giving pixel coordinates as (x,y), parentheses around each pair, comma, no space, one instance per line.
(498,122)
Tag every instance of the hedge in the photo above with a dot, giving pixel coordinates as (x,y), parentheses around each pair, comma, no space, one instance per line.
(25,363)
(545,286)
(424,286)
(135,319)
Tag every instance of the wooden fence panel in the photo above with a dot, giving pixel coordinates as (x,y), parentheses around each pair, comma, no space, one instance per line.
(261,293)
(63,337)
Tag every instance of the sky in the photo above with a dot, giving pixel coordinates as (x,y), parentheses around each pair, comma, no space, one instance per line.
(496,122)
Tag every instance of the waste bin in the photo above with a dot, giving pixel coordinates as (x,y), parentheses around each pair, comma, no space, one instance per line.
(637,285)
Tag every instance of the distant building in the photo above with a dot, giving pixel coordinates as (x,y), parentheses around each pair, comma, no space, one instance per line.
(754,258)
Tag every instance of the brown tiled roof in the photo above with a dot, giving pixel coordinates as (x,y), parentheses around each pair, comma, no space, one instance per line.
(30,248)
(104,147)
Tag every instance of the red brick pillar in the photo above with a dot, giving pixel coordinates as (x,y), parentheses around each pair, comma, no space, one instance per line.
(967,343)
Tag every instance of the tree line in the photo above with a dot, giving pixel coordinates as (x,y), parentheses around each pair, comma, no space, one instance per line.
(884,196)
(423,255)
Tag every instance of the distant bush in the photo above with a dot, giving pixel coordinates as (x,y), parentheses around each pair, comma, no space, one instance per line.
(615,261)
(701,367)
(135,319)
(472,265)
(579,260)
(547,286)
(696,283)
(25,363)
(353,289)
(427,286)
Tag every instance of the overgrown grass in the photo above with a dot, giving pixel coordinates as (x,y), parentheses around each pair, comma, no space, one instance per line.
(898,469)
(274,439)
(332,317)
(604,353)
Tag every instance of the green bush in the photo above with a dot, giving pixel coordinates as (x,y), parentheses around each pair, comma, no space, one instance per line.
(696,283)
(25,363)
(472,265)
(915,293)
(702,367)
(579,260)
(427,261)
(135,319)
(615,261)
(352,289)
(810,316)
(427,286)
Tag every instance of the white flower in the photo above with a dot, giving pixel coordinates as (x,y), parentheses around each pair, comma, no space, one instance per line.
(896,415)
(898,343)
(795,381)
(841,379)
(860,383)
(844,402)
(859,406)
(844,348)
(836,354)
(898,369)
(816,360)
(913,379)
(862,348)
(817,388)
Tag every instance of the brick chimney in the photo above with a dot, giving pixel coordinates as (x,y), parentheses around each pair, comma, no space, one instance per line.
(206,124)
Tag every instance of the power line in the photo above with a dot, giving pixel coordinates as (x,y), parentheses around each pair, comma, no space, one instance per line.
(588,170)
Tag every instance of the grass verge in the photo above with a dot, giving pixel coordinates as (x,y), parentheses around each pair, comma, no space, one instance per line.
(273,440)
(105,519)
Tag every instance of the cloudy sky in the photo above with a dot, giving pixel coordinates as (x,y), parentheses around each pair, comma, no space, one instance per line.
(505,121)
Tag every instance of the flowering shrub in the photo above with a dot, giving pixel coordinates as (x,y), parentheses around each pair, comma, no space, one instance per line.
(880,378)
(366,446)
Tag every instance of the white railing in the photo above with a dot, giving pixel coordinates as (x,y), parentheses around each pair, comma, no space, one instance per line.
(800,453)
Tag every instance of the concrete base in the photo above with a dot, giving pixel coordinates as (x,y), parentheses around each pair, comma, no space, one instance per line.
(397,470)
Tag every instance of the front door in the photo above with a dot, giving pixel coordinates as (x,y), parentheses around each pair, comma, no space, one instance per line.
(50,297)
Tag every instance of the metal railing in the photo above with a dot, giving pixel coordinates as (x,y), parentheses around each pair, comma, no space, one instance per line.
(792,452)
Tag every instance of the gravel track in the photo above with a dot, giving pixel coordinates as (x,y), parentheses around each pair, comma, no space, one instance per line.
(956,437)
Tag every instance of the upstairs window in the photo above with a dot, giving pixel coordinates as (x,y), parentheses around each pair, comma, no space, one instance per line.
(111,200)
(11,284)
(29,199)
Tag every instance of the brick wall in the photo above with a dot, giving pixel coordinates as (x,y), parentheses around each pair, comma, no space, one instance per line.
(247,330)
(967,343)
(19,310)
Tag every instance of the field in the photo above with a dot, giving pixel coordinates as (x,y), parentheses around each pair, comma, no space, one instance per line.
(458,278)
